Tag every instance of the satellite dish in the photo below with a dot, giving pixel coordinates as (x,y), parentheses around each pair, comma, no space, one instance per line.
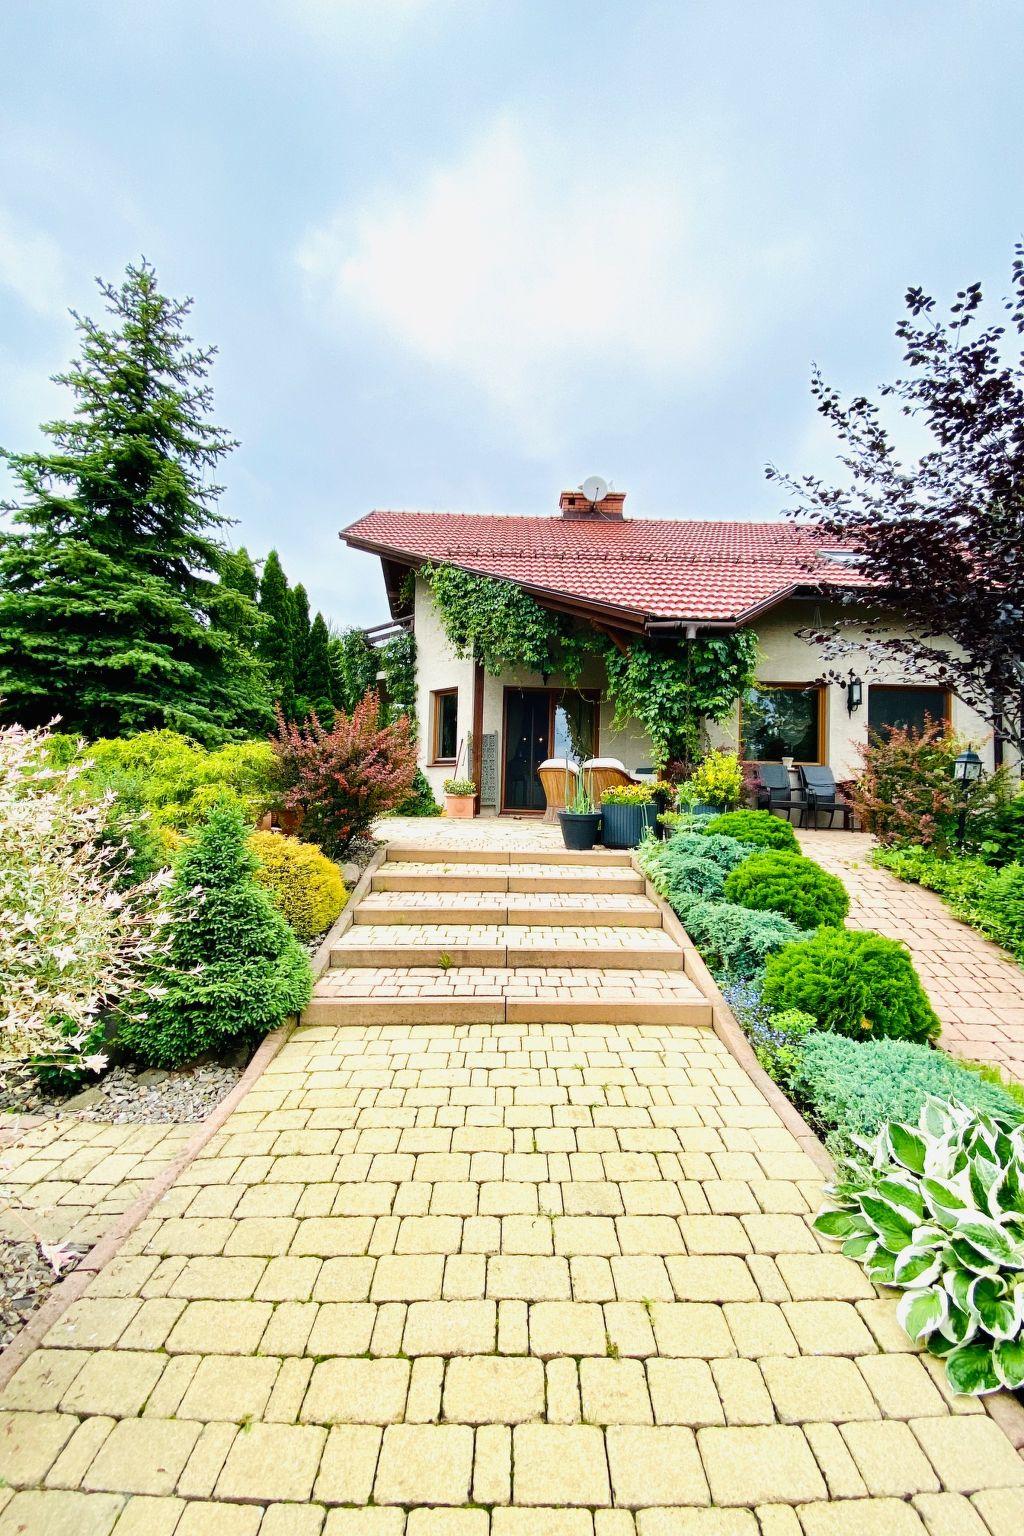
(594,488)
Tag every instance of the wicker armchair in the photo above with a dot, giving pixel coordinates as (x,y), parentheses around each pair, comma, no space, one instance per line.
(560,780)
(601,773)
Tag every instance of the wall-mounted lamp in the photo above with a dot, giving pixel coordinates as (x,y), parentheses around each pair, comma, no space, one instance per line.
(854,694)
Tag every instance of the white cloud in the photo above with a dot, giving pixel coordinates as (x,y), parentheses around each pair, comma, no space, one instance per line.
(32,266)
(538,278)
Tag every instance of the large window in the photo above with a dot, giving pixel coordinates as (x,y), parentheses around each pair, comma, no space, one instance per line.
(780,720)
(446,725)
(575,727)
(905,707)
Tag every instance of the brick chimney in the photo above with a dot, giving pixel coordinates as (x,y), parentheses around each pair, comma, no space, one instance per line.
(574,506)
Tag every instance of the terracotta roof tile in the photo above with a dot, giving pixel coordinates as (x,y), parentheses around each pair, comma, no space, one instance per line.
(656,568)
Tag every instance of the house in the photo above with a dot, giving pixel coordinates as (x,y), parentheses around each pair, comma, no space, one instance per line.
(631,577)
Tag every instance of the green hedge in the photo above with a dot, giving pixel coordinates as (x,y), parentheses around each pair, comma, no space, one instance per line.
(853,983)
(788,883)
(758,827)
(852,1087)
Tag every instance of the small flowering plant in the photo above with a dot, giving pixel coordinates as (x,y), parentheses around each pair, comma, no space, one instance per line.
(628,794)
(459,787)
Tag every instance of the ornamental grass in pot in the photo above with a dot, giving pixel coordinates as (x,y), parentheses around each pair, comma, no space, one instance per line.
(460,799)
(629,811)
(581,820)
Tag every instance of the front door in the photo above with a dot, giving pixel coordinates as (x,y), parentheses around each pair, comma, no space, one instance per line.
(527,732)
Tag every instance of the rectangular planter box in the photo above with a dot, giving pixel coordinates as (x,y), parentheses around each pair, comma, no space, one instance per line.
(624,825)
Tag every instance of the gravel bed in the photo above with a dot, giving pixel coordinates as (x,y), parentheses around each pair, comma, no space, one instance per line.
(25,1280)
(133,1096)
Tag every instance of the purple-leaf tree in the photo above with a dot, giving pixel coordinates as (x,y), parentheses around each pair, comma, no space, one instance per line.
(939,540)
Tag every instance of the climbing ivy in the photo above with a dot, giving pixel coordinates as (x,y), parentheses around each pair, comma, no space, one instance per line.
(396,658)
(673,686)
(670,686)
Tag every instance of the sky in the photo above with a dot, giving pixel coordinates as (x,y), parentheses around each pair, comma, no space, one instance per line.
(461,254)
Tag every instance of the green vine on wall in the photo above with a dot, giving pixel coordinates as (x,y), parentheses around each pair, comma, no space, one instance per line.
(670,686)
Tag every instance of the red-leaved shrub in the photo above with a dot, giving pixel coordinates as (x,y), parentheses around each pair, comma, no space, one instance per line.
(342,779)
(906,792)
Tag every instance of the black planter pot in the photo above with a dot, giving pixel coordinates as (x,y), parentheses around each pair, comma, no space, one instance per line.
(625,825)
(579,832)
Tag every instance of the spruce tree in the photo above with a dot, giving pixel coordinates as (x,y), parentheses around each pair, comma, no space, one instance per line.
(319,676)
(109,607)
(240,578)
(300,648)
(276,647)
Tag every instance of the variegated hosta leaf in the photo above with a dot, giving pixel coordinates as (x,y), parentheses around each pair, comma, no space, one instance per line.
(916,1266)
(919,1313)
(971,1369)
(1008,1358)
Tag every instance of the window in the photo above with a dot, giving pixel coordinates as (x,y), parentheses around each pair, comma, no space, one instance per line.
(446,725)
(575,727)
(905,707)
(780,720)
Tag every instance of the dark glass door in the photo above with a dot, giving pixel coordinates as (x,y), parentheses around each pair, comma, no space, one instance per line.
(527,728)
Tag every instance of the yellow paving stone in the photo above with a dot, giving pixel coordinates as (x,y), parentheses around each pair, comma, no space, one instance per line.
(464,1276)
(30,1443)
(219,1327)
(683,1392)
(348,1464)
(861,1517)
(566,1328)
(208,1519)
(326,1237)
(880,1318)
(542,1522)
(191,1235)
(93,1323)
(650,1234)
(70,1466)
(949,1514)
(229,1388)
(346,1391)
(513,1328)
(142,1456)
(447,1522)
(642,1277)
(292,1520)
(969,1453)
(765,1465)
(759,1328)
(388,1328)
(425,1464)
(288,1279)
(342,1328)
(720,1277)
(289,1389)
(889,1459)
(615,1392)
(289,1328)
(827,1389)
(714,1235)
(493,1389)
(218,1279)
(528,1278)
(828,1328)
(691,1328)
(42,1380)
(124,1275)
(450,1328)
(364,1522)
(423,1404)
(145,1515)
(555,1464)
(165,1397)
(408,1277)
(563,1391)
(203,1467)
(778,1520)
(591,1278)
(528,1234)
(272,1462)
(152,1323)
(60,1513)
(698,1522)
(835,1461)
(780,1234)
(1002,1510)
(343,1279)
(823,1277)
(901,1386)
(655,1465)
(115,1382)
(492,1464)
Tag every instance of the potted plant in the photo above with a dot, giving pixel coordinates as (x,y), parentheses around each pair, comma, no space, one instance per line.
(460,799)
(629,810)
(580,821)
(715,785)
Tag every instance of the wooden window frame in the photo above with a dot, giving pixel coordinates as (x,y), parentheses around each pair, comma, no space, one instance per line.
(437,694)
(822,692)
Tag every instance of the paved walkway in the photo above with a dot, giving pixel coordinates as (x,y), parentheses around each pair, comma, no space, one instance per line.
(508,1279)
(975,987)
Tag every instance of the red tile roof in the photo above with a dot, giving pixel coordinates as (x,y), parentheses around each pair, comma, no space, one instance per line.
(720,572)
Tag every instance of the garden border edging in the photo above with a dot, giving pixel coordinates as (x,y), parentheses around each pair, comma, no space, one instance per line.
(1002,1406)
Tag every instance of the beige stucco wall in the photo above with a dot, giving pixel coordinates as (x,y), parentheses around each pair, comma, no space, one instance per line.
(785,657)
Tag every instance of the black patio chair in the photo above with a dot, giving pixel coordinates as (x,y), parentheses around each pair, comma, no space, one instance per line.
(822,794)
(774,790)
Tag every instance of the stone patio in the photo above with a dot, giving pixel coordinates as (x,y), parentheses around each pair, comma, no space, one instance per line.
(529,1277)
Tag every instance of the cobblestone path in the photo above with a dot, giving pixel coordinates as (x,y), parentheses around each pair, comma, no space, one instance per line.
(976,988)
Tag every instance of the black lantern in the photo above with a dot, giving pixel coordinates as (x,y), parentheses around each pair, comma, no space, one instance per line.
(854,694)
(967,767)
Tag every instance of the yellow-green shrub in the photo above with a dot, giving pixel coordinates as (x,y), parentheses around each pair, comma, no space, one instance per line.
(306,887)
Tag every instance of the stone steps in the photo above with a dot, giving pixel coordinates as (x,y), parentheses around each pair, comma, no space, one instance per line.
(605,858)
(502,944)
(411,876)
(523,908)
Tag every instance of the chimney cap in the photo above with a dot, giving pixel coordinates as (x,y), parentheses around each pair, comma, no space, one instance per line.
(574,505)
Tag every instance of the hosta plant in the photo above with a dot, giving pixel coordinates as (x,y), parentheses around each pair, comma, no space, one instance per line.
(937,1210)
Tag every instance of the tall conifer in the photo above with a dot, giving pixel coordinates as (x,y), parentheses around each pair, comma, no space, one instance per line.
(276,647)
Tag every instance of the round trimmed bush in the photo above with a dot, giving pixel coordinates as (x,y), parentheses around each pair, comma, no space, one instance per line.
(305,887)
(681,878)
(858,984)
(736,941)
(788,883)
(760,828)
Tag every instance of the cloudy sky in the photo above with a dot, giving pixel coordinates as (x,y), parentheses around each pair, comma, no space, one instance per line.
(462,253)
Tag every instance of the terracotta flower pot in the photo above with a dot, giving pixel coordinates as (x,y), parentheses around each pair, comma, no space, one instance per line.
(460,807)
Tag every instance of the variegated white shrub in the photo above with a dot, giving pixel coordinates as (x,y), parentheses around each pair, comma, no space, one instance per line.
(71,942)
(937,1209)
